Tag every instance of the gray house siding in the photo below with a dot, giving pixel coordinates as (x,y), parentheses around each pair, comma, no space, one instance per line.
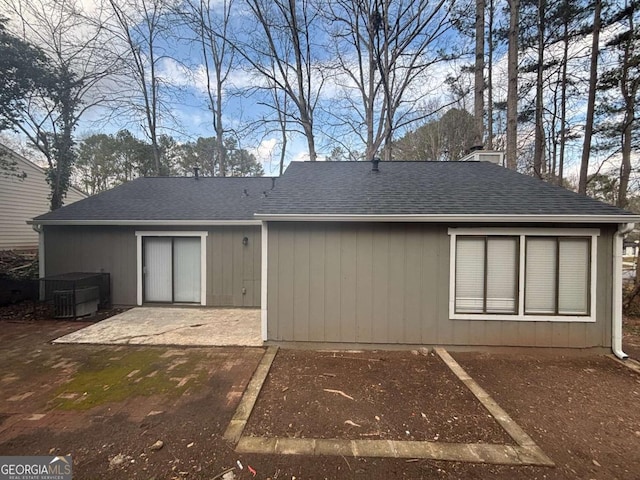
(95,249)
(388,283)
(231,265)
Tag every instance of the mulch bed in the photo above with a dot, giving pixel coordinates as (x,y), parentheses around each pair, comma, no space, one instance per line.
(394,396)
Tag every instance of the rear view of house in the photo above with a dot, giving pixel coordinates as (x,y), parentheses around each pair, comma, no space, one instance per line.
(388,254)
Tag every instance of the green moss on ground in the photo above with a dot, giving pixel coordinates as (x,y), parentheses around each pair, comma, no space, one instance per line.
(105,378)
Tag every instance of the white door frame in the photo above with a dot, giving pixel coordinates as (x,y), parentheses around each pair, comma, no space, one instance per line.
(203,258)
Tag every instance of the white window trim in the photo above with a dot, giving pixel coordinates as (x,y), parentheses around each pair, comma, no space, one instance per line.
(203,258)
(523,233)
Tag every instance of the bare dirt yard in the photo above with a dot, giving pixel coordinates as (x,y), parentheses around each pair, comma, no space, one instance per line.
(109,406)
(631,336)
(371,395)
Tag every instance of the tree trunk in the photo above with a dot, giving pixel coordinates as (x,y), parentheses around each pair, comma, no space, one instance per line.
(629,95)
(563,100)
(512,89)
(539,146)
(490,79)
(591,101)
(478,104)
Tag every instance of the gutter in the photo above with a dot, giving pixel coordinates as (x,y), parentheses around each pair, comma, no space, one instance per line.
(448,218)
(140,223)
(616,310)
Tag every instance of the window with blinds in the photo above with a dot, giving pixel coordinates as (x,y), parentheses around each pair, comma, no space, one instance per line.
(555,279)
(486,274)
(557,276)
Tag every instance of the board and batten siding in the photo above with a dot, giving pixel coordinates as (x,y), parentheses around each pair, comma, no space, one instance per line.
(388,283)
(22,199)
(233,269)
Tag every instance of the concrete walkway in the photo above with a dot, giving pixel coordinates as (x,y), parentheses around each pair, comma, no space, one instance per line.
(174,326)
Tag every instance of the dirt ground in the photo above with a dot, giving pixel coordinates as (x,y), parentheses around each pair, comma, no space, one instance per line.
(631,336)
(393,396)
(107,407)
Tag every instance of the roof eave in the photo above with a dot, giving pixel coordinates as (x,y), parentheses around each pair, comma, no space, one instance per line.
(446,218)
(35,221)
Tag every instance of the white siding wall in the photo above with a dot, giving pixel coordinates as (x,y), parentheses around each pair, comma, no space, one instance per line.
(21,200)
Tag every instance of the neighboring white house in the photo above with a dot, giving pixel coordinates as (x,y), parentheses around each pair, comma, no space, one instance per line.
(630,248)
(23,196)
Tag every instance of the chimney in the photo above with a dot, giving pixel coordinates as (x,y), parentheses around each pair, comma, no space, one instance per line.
(195,172)
(374,164)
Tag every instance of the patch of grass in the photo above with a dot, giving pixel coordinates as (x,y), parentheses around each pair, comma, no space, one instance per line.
(144,372)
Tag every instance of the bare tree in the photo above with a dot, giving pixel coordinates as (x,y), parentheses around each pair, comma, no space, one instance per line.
(280,50)
(512,89)
(384,50)
(138,28)
(625,79)
(489,85)
(478,106)
(591,101)
(210,21)
(74,50)
(539,142)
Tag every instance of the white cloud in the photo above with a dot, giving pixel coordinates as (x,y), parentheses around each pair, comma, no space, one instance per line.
(265,151)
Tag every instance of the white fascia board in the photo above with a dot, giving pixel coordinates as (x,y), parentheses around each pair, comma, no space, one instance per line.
(158,223)
(452,218)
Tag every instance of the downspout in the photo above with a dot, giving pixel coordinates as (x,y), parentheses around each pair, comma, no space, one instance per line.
(41,270)
(616,314)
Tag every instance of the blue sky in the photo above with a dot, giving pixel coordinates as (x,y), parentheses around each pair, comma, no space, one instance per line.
(188,116)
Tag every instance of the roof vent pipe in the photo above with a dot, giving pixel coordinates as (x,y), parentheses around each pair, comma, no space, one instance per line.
(273,183)
(374,164)
(195,172)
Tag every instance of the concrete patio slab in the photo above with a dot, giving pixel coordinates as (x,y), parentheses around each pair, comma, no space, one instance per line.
(174,326)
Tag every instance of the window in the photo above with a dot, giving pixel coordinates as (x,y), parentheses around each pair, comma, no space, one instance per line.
(557,280)
(530,274)
(486,274)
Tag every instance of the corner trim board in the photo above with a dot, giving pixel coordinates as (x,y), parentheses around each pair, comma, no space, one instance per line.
(263,280)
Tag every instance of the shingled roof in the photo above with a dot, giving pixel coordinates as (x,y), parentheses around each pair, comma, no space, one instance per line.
(177,199)
(436,189)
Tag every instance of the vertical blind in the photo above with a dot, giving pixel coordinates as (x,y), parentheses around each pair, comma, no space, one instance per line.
(158,272)
(186,269)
